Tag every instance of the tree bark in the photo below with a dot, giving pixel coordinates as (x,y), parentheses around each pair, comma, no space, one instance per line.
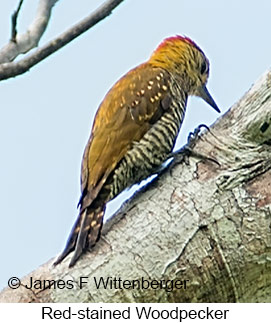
(205,224)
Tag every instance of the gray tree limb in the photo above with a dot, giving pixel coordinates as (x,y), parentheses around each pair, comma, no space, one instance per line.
(23,43)
(203,223)
(31,38)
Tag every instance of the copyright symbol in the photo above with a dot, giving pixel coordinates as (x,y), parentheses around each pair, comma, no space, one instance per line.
(14,282)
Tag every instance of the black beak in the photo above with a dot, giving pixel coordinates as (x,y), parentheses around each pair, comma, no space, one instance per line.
(206,96)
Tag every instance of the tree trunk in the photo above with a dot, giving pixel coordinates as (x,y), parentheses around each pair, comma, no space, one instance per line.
(202,225)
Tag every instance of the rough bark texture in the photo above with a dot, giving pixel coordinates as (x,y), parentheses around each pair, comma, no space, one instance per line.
(202,222)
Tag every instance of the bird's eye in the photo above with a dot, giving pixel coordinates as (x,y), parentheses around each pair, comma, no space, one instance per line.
(204,67)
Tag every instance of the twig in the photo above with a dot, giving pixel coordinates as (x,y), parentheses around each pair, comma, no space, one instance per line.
(14,22)
(24,42)
(8,70)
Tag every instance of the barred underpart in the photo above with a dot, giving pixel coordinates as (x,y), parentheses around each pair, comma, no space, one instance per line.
(145,157)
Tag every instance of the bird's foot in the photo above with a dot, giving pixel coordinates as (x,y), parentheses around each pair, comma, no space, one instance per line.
(183,154)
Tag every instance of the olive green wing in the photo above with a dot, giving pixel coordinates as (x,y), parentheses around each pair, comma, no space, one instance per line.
(127,112)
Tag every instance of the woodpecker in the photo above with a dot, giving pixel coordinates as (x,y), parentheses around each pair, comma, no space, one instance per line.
(134,131)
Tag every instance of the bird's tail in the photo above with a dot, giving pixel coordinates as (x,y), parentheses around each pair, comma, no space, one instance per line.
(85,233)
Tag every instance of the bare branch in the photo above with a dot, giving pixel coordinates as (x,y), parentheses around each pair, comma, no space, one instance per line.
(30,39)
(8,70)
(14,22)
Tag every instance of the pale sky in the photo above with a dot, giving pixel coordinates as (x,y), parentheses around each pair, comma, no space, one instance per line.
(47,113)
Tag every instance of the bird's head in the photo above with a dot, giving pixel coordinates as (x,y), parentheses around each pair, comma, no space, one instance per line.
(182,58)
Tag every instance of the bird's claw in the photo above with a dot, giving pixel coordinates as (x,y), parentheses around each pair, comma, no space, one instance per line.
(183,154)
